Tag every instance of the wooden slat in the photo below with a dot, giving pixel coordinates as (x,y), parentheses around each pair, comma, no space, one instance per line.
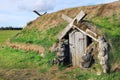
(79,17)
(82,13)
(72,47)
(68,19)
(80,46)
(63,33)
(86,33)
(77,42)
(91,32)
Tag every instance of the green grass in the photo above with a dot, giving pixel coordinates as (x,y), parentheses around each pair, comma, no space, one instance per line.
(5,34)
(19,59)
(110,26)
(12,58)
(35,36)
(78,74)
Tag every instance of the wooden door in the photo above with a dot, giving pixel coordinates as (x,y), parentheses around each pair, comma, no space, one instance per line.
(77,41)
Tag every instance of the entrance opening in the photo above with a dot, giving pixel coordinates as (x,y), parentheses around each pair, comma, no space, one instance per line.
(89,41)
(68,56)
(67,51)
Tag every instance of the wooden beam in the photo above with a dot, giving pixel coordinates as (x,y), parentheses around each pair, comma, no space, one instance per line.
(79,17)
(39,13)
(86,33)
(63,33)
(91,32)
(68,19)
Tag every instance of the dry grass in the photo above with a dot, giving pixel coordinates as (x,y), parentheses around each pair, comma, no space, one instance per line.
(27,47)
(53,19)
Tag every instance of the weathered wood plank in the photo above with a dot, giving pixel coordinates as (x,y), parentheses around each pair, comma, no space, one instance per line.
(87,29)
(79,17)
(68,19)
(63,33)
(91,32)
(86,33)
(77,42)
(72,47)
(80,46)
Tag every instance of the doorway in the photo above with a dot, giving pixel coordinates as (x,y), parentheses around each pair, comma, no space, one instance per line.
(77,44)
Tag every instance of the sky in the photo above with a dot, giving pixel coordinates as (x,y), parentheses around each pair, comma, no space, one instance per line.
(18,13)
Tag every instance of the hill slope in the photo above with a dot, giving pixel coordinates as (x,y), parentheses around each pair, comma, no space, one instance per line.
(43,30)
(54,19)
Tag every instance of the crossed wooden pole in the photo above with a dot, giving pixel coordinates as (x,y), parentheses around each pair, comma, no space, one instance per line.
(39,13)
(78,18)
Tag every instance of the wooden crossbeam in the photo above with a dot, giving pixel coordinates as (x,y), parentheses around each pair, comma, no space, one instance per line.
(86,33)
(68,19)
(39,13)
(63,33)
(89,31)
(79,17)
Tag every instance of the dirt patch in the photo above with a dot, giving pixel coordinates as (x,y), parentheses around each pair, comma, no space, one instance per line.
(21,74)
(30,74)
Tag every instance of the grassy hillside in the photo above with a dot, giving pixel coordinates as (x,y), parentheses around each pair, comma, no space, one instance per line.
(43,31)
(38,37)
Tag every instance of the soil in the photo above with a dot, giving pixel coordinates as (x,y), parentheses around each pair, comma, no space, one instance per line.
(30,74)
(21,74)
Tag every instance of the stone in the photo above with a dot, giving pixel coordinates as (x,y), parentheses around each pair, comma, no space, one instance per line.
(87,59)
(103,54)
